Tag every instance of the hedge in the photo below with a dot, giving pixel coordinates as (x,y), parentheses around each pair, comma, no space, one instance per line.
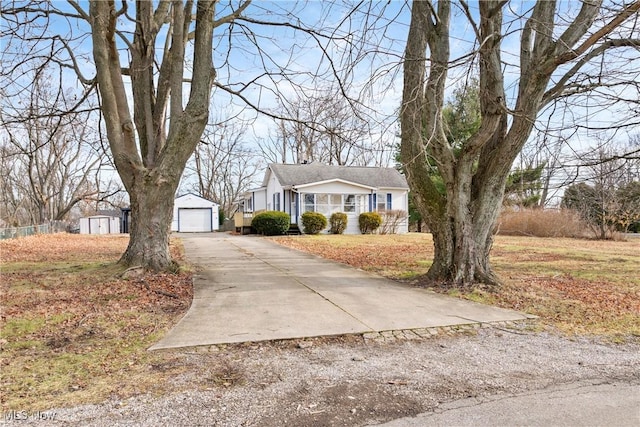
(369,222)
(338,222)
(271,223)
(313,222)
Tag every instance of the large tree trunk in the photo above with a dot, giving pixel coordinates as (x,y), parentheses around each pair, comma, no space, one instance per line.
(151,164)
(152,213)
(458,184)
(462,242)
(462,217)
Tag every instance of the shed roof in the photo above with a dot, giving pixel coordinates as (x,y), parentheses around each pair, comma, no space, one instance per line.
(109,212)
(299,174)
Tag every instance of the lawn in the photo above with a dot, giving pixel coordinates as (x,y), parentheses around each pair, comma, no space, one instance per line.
(575,286)
(72,330)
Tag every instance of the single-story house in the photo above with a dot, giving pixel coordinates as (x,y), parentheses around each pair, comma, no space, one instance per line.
(194,214)
(299,188)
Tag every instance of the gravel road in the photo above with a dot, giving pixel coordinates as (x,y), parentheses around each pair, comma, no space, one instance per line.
(350,381)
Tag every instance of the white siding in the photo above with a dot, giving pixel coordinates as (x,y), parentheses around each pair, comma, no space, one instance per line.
(100,224)
(399,201)
(335,188)
(191,201)
(259,200)
(352,224)
(274,187)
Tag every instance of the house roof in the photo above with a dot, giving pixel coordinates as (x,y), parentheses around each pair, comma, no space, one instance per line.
(300,174)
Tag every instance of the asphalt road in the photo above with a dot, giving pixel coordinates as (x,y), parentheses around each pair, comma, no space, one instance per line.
(572,405)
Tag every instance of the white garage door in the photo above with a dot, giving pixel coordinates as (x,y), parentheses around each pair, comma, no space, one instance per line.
(194,220)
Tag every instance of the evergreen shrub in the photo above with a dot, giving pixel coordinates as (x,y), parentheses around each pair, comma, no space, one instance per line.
(271,223)
(369,222)
(313,222)
(338,222)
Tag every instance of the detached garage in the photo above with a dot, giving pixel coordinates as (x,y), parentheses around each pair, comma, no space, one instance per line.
(193,214)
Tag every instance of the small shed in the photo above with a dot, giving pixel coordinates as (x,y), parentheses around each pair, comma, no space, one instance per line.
(194,214)
(100,224)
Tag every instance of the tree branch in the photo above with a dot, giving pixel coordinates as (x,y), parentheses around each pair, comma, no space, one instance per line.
(567,39)
(558,89)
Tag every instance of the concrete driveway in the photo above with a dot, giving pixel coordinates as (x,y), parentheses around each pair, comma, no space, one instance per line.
(251,289)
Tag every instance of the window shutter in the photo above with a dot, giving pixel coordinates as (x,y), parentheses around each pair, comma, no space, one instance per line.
(389,196)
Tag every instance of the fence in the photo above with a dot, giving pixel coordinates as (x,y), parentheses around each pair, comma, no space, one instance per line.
(51,227)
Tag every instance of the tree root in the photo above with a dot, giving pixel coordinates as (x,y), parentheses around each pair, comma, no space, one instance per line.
(135,271)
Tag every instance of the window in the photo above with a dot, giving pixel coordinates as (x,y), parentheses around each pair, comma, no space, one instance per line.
(327,204)
(249,204)
(349,203)
(383,202)
(309,203)
(335,201)
(322,204)
(361,204)
(276,201)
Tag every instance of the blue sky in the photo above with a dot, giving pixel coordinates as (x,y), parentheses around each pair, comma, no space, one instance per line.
(376,79)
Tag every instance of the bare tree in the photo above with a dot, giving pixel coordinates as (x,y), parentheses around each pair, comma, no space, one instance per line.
(223,167)
(608,196)
(14,208)
(165,45)
(153,65)
(50,156)
(563,53)
(324,128)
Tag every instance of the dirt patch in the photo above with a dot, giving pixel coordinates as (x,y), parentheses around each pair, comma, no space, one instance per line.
(347,405)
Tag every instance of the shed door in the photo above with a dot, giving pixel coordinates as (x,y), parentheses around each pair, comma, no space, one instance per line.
(99,225)
(194,220)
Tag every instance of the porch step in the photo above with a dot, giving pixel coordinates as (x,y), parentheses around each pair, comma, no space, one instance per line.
(294,230)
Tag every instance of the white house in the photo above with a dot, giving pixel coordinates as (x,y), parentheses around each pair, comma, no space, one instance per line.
(193,214)
(299,188)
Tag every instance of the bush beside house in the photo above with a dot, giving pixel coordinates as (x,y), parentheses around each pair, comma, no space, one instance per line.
(271,223)
(313,222)
(369,222)
(338,222)
(391,221)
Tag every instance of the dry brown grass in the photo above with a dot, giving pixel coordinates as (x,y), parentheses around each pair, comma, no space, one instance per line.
(542,223)
(72,331)
(577,286)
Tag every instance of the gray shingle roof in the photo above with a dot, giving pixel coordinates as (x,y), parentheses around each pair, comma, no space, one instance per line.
(299,174)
